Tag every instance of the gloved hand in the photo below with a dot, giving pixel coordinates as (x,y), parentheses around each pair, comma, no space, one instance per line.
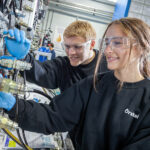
(7,101)
(19,46)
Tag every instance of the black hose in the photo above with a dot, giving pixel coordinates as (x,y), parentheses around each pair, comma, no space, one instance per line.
(14,8)
(52,92)
(23,133)
(19,136)
(42,93)
(2,6)
(24,137)
(17,113)
(21,5)
(18,133)
(11,137)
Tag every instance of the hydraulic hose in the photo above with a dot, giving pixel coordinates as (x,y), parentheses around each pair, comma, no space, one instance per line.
(15,139)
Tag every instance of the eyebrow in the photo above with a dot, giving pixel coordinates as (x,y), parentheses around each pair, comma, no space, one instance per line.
(114,37)
(76,44)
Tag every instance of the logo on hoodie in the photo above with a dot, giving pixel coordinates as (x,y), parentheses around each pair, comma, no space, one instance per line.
(132,114)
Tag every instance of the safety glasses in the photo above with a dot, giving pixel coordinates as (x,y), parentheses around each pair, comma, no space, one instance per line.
(116,43)
(76,47)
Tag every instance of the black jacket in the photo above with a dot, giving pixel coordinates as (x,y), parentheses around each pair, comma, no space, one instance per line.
(106,119)
(58,73)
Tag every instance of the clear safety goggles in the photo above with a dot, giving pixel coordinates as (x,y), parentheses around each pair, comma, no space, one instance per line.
(116,43)
(76,47)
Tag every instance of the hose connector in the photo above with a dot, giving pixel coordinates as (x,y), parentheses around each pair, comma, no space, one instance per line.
(15,64)
(10,86)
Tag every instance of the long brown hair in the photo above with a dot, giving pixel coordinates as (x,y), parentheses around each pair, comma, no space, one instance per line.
(134,29)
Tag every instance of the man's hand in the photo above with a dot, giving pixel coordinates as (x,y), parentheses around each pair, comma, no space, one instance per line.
(18,45)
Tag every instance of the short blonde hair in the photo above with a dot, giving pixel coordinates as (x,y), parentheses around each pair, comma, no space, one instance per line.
(82,29)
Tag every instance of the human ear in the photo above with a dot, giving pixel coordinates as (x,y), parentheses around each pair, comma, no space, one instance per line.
(92,44)
(136,51)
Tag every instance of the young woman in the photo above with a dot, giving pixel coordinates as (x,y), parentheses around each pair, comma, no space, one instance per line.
(112,114)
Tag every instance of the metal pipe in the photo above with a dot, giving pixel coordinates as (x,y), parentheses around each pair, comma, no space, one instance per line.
(92,14)
(105,2)
(82,17)
(82,8)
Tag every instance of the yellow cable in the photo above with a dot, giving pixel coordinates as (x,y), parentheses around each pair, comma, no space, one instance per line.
(15,138)
(45,91)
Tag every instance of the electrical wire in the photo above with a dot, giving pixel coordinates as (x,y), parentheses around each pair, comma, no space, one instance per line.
(23,133)
(2,5)
(21,5)
(42,93)
(14,138)
(21,141)
(14,8)
(63,142)
(44,90)
(52,92)
(14,77)
(24,137)
(18,133)
(39,92)
(17,110)
(27,96)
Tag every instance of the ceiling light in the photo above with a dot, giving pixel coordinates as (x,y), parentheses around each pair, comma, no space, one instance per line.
(113,1)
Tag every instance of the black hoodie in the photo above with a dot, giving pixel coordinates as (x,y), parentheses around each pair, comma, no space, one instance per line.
(106,119)
(58,73)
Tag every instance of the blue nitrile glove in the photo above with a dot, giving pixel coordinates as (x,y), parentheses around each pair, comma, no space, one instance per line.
(7,101)
(19,46)
(6,57)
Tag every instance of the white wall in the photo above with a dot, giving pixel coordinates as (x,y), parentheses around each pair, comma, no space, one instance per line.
(140,9)
(57,18)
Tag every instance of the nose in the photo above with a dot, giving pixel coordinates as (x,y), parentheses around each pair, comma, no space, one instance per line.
(71,50)
(108,49)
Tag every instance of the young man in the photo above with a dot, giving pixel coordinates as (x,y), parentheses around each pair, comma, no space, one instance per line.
(61,72)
